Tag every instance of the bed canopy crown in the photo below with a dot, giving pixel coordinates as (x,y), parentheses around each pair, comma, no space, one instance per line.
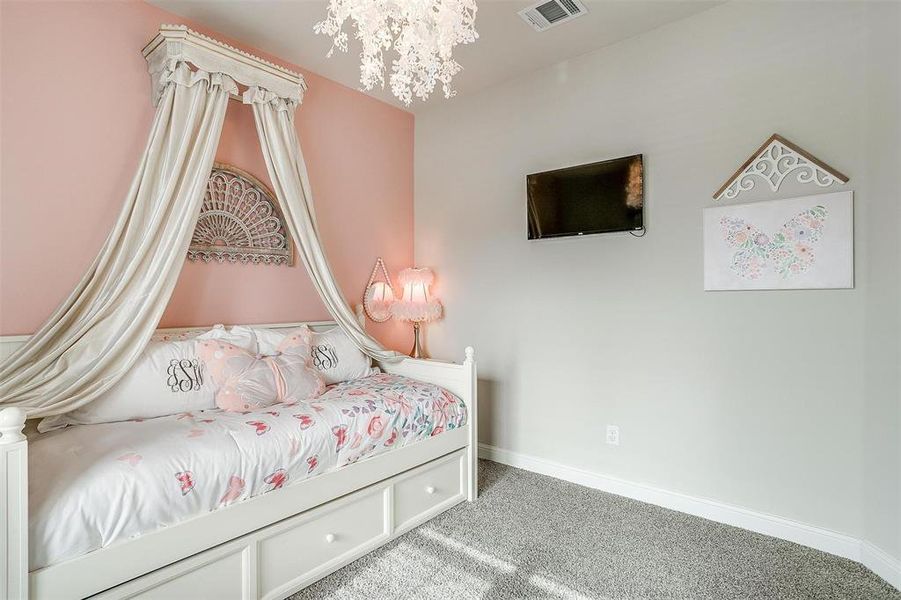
(178,43)
(100,330)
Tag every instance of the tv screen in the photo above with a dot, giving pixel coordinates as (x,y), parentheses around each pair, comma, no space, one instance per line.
(596,198)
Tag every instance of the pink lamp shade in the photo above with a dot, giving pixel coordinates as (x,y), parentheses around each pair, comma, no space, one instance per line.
(416,305)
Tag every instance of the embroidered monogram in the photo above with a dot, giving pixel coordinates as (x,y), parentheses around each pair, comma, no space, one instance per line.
(185,374)
(324,356)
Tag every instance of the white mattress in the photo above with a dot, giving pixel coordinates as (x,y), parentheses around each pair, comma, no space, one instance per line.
(93,485)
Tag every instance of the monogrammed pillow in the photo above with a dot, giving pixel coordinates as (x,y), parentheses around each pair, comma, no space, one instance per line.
(169,378)
(332,354)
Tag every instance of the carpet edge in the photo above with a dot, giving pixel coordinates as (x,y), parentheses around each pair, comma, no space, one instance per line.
(874,558)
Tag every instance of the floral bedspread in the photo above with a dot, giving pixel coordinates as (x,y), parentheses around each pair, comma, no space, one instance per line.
(93,485)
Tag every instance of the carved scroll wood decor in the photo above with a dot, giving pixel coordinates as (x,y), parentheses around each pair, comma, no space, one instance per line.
(774,162)
(240,221)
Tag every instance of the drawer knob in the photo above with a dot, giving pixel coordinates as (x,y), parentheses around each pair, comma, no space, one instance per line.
(330,537)
(430,490)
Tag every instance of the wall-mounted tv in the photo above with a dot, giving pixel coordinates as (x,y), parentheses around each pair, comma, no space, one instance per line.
(599,197)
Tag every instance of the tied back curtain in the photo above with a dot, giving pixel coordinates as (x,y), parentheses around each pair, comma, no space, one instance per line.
(99,331)
(274,119)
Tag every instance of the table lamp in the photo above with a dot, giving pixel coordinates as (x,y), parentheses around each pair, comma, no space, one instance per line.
(416,305)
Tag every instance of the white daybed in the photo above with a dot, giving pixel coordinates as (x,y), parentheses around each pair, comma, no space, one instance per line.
(268,546)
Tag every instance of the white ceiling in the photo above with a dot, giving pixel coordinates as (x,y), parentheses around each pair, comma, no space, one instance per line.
(507,47)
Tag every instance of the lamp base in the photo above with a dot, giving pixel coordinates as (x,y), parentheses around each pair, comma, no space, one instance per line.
(417,351)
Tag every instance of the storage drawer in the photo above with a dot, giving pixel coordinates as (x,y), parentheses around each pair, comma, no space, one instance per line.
(279,559)
(217,574)
(420,494)
(312,545)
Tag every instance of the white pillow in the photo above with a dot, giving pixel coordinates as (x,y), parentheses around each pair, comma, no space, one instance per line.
(332,353)
(237,335)
(168,378)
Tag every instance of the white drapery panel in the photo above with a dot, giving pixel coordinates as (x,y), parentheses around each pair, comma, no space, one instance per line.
(274,117)
(97,334)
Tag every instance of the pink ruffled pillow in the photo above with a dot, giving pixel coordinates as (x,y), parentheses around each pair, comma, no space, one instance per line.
(246,382)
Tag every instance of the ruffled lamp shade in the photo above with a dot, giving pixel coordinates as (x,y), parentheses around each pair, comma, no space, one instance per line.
(416,305)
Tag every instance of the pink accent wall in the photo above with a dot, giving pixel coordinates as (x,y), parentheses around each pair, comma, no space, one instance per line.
(74,115)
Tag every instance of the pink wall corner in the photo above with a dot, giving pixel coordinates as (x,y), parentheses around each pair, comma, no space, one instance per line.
(74,114)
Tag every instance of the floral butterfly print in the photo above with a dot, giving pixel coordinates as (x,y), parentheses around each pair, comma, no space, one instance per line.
(277,479)
(185,481)
(260,426)
(233,491)
(305,420)
(340,432)
(131,458)
(788,251)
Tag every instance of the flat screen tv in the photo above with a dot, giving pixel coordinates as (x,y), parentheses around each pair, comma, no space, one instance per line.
(599,197)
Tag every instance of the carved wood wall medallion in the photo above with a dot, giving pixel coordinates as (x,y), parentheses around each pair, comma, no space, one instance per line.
(240,221)
(774,162)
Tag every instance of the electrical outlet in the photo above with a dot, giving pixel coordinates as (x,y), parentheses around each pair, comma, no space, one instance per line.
(613,435)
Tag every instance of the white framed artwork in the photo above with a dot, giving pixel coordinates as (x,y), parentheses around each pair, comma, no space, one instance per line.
(798,243)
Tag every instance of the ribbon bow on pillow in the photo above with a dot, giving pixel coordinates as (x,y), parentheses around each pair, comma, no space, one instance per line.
(247,382)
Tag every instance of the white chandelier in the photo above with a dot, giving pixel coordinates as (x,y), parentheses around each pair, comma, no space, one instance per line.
(423,33)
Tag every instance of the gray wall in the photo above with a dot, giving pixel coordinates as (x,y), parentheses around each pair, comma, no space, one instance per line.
(784,402)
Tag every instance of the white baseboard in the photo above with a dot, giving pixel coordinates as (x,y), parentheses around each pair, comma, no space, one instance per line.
(881,562)
(878,561)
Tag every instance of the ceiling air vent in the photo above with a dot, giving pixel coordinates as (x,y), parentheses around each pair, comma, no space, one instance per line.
(548,13)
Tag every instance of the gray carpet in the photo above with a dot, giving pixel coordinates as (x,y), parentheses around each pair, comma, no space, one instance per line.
(531,536)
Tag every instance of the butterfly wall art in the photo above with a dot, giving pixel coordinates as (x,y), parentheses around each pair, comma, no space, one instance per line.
(798,243)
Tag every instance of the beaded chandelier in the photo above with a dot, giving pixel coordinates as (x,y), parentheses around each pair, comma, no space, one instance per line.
(422,32)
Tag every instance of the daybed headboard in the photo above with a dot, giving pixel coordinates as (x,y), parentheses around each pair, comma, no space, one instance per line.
(9,343)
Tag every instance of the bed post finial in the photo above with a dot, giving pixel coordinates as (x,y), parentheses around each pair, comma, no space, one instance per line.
(12,422)
(470,355)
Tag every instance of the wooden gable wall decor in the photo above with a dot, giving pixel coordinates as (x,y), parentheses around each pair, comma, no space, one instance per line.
(773,162)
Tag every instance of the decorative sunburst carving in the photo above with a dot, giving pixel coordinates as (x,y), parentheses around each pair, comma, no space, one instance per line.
(240,222)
